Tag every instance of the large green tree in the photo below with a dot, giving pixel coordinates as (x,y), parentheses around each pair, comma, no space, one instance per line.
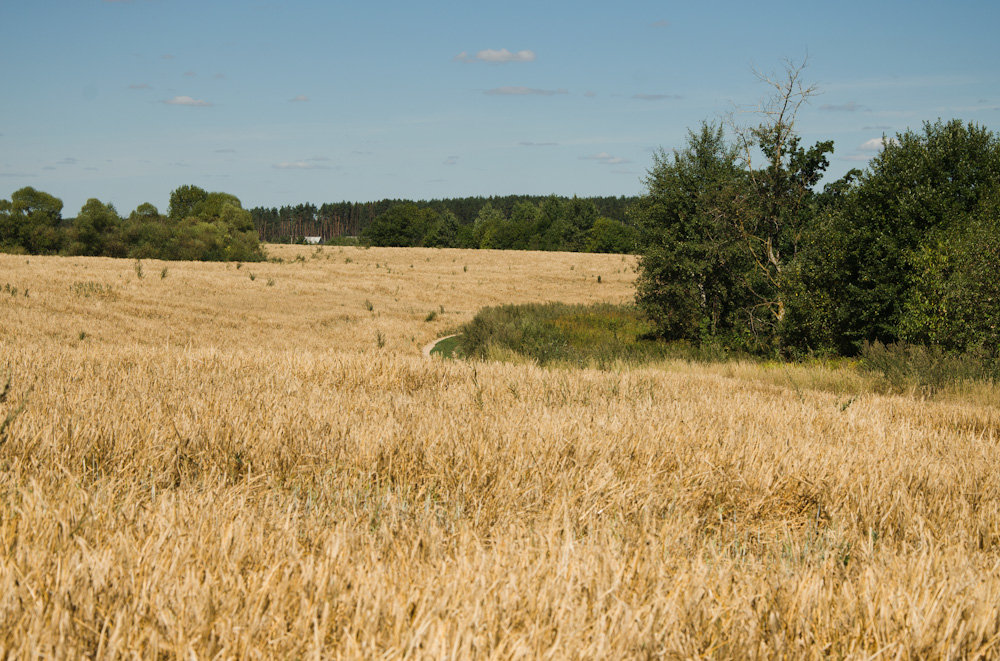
(32,222)
(95,229)
(876,267)
(690,261)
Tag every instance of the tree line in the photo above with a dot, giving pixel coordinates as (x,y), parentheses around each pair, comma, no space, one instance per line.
(199,226)
(521,221)
(758,257)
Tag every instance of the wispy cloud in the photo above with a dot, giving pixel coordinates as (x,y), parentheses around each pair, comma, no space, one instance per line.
(69,160)
(15,175)
(589,94)
(48,167)
(139,86)
(299,165)
(523,91)
(187,101)
(225,151)
(606,158)
(501,56)
(867,150)
(876,144)
(660,24)
(656,97)
(451,160)
(879,127)
(301,98)
(526,143)
(850,106)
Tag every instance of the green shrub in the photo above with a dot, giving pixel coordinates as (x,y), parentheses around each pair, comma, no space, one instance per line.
(908,367)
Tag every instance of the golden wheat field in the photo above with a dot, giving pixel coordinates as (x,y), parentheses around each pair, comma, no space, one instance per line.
(256,461)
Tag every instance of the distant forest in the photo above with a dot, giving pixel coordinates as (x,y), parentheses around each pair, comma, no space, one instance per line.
(598,224)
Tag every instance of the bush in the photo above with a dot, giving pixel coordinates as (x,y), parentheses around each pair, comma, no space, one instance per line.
(906,367)
(599,335)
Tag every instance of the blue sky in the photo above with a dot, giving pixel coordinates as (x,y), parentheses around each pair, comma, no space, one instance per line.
(296,101)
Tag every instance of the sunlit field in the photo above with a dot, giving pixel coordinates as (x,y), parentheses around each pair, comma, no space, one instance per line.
(208,460)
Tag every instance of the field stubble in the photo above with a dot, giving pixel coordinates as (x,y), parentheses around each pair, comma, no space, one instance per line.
(202,464)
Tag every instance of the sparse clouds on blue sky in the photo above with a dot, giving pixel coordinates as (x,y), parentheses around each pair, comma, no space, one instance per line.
(313,101)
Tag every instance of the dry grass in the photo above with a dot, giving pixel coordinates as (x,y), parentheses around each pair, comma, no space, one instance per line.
(222,468)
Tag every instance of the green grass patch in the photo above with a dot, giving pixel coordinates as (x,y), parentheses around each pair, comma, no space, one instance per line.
(600,335)
(447,348)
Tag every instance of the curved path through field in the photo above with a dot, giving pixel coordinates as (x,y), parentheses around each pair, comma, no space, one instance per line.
(430,347)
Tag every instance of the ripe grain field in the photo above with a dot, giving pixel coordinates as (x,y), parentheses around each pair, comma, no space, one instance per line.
(205,463)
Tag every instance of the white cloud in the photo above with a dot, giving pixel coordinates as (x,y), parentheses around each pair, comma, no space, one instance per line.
(496,56)
(301,98)
(606,158)
(522,91)
(308,164)
(187,101)
(876,144)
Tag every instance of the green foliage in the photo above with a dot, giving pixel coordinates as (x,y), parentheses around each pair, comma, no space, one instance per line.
(185,202)
(202,226)
(756,258)
(907,251)
(95,230)
(690,263)
(927,369)
(400,226)
(513,223)
(522,231)
(94,289)
(954,300)
(31,222)
(612,236)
